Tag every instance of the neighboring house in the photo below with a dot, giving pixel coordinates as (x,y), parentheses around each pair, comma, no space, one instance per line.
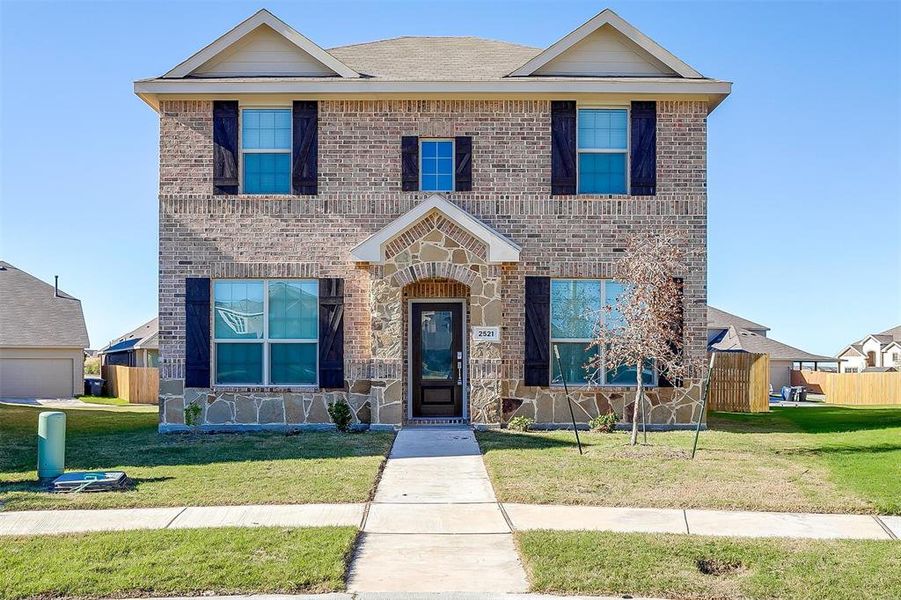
(729,333)
(138,348)
(42,338)
(412,224)
(876,350)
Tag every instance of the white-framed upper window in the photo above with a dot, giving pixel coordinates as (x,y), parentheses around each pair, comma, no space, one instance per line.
(575,309)
(266,332)
(436,165)
(266,150)
(602,139)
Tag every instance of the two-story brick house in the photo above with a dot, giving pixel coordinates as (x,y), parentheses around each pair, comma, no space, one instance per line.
(413,224)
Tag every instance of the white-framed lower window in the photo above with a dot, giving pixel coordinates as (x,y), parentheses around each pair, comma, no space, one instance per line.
(851,369)
(575,307)
(436,165)
(602,140)
(266,332)
(266,150)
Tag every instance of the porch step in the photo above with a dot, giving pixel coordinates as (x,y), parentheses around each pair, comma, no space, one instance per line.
(437,421)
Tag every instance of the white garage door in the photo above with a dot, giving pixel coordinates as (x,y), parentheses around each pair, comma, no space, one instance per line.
(36,377)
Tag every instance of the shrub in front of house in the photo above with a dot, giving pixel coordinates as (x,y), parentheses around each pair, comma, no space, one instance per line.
(603,423)
(520,423)
(339,411)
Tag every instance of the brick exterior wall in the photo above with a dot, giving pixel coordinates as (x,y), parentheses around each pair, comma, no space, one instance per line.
(202,235)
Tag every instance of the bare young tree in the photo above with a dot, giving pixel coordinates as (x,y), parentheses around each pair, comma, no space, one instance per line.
(642,328)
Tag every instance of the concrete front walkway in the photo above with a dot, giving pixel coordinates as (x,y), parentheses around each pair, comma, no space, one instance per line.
(435,524)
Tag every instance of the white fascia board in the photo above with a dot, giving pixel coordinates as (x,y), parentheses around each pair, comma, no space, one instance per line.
(716,91)
(873,337)
(261,17)
(557,85)
(608,17)
(500,248)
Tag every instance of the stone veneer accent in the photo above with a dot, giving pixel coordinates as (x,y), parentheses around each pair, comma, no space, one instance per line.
(203,235)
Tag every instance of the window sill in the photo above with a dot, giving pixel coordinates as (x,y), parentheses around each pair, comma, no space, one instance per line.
(584,387)
(231,388)
(589,196)
(243,196)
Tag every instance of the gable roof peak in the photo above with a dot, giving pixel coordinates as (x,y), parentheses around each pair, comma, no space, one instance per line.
(607,17)
(500,248)
(260,19)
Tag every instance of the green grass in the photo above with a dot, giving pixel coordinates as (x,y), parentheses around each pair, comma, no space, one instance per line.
(667,566)
(176,562)
(109,401)
(178,470)
(829,459)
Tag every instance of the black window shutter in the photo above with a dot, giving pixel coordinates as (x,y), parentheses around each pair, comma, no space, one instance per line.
(643,159)
(225,147)
(563,147)
(197,332)
(331,333)
(409,163)
(536,367)
(463,163)
(679,326)
(305,152)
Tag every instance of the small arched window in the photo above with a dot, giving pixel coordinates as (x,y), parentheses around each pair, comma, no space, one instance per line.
(871,359)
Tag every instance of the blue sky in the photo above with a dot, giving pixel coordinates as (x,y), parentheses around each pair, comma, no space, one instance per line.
(805,213)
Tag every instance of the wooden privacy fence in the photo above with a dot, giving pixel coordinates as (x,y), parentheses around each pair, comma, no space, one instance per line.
(740,382)
(858,389)
(138,385)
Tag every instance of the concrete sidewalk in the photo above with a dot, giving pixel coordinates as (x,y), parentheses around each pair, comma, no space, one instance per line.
(703,522)
(406,596)
(398,511)
(37,522)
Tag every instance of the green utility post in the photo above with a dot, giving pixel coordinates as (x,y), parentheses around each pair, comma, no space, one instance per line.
(51,444)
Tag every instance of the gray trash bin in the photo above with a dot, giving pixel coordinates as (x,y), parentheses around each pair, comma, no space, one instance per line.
(95,386)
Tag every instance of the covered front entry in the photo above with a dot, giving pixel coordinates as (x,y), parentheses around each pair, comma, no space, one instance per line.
(434,272)
(437,360)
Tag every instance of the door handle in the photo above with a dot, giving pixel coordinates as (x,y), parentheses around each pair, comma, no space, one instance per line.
(459,368)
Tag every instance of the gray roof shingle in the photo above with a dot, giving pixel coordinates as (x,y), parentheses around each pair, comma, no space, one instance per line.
(32,316)
(144,336)
(414,58)
(747,341)
(720,319)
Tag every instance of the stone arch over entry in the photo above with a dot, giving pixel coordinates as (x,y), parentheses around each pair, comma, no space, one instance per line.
(434,270)
(433,248)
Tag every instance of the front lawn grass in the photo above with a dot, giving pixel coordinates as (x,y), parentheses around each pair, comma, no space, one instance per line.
(669,566)
(176,562)
(193,470)
(824,459)
(109,401)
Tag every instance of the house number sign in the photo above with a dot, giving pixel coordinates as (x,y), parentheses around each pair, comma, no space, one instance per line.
(486,334)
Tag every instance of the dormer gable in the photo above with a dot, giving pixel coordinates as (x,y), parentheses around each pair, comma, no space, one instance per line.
(606,46)
(262,46)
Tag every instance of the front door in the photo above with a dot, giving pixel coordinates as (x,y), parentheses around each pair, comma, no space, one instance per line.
(436,361)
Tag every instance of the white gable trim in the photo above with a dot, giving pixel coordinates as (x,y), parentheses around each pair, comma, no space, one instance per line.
(607,17)
(851,348)
(500,249)
(873,337)
(262,17)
